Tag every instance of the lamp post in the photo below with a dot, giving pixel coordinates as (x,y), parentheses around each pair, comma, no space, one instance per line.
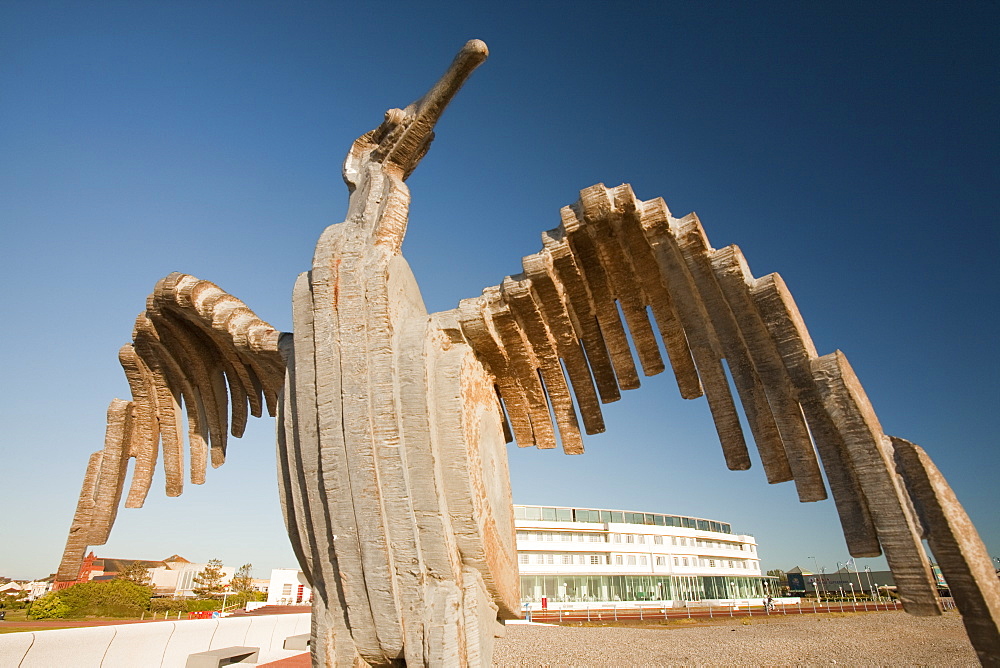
(856,574)
(868,573)
(225,595)
(853,597)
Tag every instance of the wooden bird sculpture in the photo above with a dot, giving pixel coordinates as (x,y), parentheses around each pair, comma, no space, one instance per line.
(392,422)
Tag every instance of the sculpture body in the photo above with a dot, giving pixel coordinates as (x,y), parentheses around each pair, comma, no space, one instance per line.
(392,423)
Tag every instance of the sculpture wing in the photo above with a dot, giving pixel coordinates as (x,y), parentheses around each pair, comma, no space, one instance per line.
(195,346)
(558,339)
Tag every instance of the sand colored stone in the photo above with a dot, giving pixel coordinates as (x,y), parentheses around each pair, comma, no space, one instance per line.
(393,423)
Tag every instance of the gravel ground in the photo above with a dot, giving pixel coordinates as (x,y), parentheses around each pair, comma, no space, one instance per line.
(852,639)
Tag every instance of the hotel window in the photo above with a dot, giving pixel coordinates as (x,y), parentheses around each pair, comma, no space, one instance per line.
(731,563)
(673,540)
(596,538)
(658,540)
(642,561)
(677,561)
(685,561)
(642,539)
(286,590)
(618,559)
(522,558)
(616,537)
(540,559)
(549,536)
(711,563)
(581,559)
(595,559)
(567,536)
(567,559)
(629,538)
(550,558)
(661,561)
(631,560)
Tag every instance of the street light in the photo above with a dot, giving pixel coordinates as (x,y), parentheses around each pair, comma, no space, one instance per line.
(225,595)
(858,575)
(853,597)
(868,573)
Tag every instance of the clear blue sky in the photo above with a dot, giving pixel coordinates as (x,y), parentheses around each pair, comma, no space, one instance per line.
(852,147)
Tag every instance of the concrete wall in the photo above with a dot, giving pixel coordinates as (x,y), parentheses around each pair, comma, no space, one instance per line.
(165,644)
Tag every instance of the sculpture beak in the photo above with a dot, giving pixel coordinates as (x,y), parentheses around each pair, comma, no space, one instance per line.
(415,124)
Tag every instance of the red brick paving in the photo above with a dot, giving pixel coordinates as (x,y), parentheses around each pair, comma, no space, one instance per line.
(297,661)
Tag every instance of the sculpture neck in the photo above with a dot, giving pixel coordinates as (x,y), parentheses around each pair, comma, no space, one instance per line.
(379,203)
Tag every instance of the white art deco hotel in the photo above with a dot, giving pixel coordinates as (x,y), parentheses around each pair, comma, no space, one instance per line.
(583,555)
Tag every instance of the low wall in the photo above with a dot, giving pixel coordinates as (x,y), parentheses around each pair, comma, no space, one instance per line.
(164,644)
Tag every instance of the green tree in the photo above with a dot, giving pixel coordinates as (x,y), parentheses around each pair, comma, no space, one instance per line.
(209,580)
(49,606)
(137,573)
(243,579)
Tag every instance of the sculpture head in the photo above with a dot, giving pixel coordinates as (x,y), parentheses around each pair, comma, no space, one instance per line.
(399,143)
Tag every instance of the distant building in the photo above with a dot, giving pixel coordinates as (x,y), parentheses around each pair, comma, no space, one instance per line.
(568,556)
(173,576)
(802,582)
(288,586)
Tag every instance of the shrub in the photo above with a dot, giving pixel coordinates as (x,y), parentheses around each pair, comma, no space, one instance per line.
(115,598)
(168,605)
(49,606)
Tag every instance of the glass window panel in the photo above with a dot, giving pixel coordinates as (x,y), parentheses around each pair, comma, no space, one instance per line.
(533,513)
(642,560)
(659,520)
(519,513)
(617,516)
(702,525)
(647,519)
(658,540)
(548,513)
(605,515)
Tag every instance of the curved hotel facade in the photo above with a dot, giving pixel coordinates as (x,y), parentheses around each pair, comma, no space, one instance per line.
(594,556)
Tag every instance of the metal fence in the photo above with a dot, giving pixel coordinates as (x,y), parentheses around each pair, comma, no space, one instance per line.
(651,613)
